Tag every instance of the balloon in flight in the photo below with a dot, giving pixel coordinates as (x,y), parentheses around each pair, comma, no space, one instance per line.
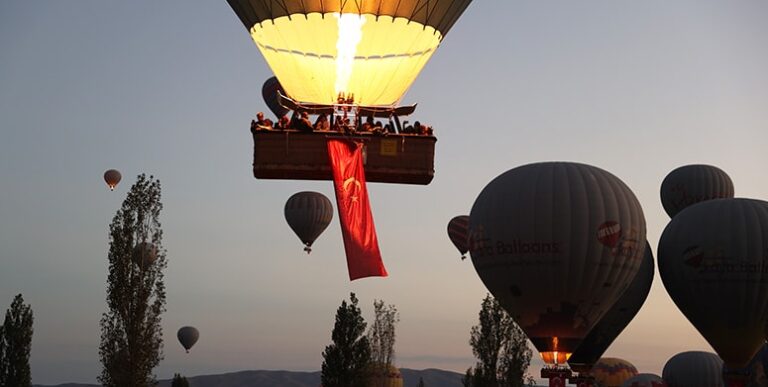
(691,184)
(694,369)
(713,257)
(308,214)
(616,319)
(557,243)
(112,178)
(459,234)
(372,50)
(612,372)
(270,91)
(188,337)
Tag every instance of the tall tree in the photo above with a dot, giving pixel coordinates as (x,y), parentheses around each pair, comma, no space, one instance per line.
(179,381)
(501,349)
(421,383)
(346,359)
(131,335)
(16,345)
(381,336)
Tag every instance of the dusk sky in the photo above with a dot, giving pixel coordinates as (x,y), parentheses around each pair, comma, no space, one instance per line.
(168,88)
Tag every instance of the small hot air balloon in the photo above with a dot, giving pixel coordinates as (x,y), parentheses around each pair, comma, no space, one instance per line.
(308,213)
(557,244)
(616,319)
(645,380)
(112,178)
(612,372)
(691,184)
(270,91)
(458,232)
(188,337)
(712,261)
(144,254)
(694,369)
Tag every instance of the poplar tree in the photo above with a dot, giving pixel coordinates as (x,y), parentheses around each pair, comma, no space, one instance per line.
(16,345)
(131,335)
(346,359)
(381,336)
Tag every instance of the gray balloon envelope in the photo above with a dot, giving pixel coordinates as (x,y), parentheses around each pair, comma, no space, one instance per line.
(644,380)
(188,337)
(557,244)
(713,261)
(691,184)
(308,214)
(694,369)
(616,319)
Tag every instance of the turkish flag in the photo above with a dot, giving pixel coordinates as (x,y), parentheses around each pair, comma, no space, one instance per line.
(360,242)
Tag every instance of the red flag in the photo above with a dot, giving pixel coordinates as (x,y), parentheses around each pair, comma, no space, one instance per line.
(360,242)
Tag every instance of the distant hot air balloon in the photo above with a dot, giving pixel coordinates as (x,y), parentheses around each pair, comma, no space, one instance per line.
(612,372)
(188,337)
(379,376)
(691,184)
(645,380)
(144,254)
(712,261)
(694,369)
(616,319)
(112,177)
(557,244)
(458,232)
(308,213)
(269,91)
(371,50)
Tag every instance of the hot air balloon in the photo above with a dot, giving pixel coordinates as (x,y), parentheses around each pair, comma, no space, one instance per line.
(691,184)
(381,376)
(557,244)
(350,59)
(270,91)
(457,231)
(308,214)
(112,178)
(612,372)
(144,254)
(616,319)
(188,337)
(712,260)
(645,380)
(694,369)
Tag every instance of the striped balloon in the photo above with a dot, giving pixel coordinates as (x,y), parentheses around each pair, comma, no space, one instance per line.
(308,214)
(691,184)
(458,232)
(612,372)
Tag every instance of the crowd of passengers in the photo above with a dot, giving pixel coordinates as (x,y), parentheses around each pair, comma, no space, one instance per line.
(301,122)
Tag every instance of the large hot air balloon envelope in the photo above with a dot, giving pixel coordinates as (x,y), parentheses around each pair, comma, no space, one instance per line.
(645,380)
(270,91)
(372,50)
(616,319)
(308,214)
(112,177)
(459,234)
(694,369)
(691,184)
(612,372)
(188,336)
(713,257)
(557,244)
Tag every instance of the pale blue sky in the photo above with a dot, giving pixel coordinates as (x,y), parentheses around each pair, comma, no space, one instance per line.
(169,87)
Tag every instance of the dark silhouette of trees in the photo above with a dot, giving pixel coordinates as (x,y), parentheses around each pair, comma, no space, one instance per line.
(16,345)
(421,383)
(381,336)
(179,381)
(501,349)
(131,335)
(346,359)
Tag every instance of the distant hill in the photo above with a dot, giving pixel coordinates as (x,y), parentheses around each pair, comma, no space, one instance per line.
(432,378)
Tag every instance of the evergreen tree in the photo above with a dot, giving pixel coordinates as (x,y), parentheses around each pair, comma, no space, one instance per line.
(421,382)
(179,381)
(16,344)
(346,359)
(381,336)
(131,335)
(501,349)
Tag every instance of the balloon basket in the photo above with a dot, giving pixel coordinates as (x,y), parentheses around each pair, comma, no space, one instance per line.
(557,376)
(308,249)
(582,381)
